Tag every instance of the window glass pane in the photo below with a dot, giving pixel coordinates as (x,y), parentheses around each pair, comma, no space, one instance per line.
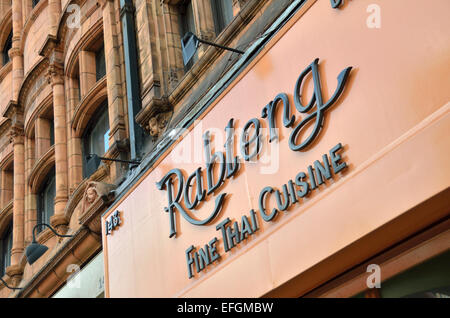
(52,133)
(5,249)
(223,14)
(96,138)
(34,3)
(9,242)
(187,24)
(6,48)
(100,64)
(46,200)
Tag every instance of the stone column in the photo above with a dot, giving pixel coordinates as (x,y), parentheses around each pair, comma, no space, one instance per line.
(42,136)
(74,154)
(6,193)
(30,197)
(15,53)
(114,80)
(17,137)
(87,72)
(54,7)
(59,116)
(15,113)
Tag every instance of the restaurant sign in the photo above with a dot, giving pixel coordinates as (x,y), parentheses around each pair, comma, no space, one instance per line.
(228,164)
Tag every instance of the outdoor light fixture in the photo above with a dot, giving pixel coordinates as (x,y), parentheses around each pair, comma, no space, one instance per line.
(189,45)
(7,286)
(36,250)
(93,161)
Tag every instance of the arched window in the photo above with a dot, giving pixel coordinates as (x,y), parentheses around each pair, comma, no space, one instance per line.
(5,249)
(96,138)
(46,200)
(6,48)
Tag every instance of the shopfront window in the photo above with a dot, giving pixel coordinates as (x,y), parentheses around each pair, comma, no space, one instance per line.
(46,200)
(430,279)
(5,250)
(88,282)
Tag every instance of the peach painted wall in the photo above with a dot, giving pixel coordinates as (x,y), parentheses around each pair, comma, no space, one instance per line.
(393,120)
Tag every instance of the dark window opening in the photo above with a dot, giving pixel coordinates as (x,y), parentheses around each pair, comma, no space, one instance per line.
(223,14)
(46,200)
(52,133)
(5,250)
(34,3)
(100,64)
(6,48)
(96,138)
(187,24)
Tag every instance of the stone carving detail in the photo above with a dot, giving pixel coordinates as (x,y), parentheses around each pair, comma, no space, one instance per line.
(95,191)
(157,124)
(54,74)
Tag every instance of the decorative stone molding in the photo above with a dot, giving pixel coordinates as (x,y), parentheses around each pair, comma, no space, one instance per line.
(31,117)
(41,168)
(97,196)
(31,81)
(59,222)
(82,43)
(5,26)
(158,123)
(17,135)
(87,106)
(14,112)
(48,46)
(6,215)
(55,74)
(4,70)
(15,272)
(155,116)
(30,20)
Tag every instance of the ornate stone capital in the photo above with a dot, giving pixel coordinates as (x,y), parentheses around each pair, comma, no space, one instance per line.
(16,135)
(55,74)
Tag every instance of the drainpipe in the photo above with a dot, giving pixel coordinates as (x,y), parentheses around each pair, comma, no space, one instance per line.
(132,76)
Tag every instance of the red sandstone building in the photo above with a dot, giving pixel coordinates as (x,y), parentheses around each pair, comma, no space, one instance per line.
(305,165)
